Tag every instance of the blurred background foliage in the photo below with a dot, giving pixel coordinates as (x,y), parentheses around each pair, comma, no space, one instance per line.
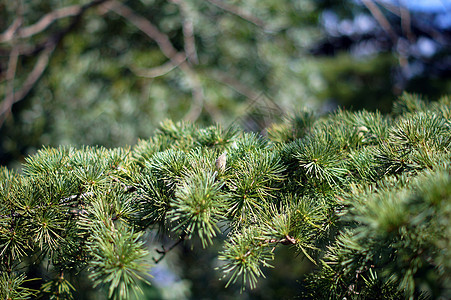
(97,72)
(101,76)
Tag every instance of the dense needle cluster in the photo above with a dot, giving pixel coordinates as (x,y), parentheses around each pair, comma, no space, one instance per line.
(365,197)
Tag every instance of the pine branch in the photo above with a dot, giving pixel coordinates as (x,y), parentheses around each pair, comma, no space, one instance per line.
(363,196)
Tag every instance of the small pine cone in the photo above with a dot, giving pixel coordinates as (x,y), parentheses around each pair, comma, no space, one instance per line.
(221,162)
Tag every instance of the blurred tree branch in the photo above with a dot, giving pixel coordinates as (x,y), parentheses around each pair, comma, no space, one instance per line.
(188,32)
(155,71)
(239,12)
(17,39)
(143,24)
(435,34)
(236,85)
(45,50)
(9,33)
(14,31)
(10,74)
(255,100)
(406,21)
(167,48)
(12,97)
(381,19)
(179,59)
(385,24)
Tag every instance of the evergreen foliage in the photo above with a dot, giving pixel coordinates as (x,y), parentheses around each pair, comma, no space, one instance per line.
(365,197)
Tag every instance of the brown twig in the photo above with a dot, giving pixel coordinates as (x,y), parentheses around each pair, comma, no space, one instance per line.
(239,12)
(164,251)
(406,21)
(45,50)
(251,94)
(149,29)
(45,21)
(381,19)
(177,58)
(235,84)
(42,24)
(10,75)
(11,31)
(288,240)
(435,34)
(188,32)
(15,26)
(156,71)
(11,98)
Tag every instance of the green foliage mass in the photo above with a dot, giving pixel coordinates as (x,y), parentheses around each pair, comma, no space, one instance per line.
(108,83)
(366,197)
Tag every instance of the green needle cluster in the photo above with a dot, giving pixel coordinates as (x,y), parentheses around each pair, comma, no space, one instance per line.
(366,197)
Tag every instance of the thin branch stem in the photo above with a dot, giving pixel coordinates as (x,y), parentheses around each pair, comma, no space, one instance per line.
(41,64)
(188,32)
(235,84)
(38,69)
(251,94)
(198,96)
(168,49)
(406,21)
(149,29)
(156,71)
(17,23)
(10,75)
(288,240)
(381,19)
(75,197)
(239,12)
(435,34)
(164,251)
(45,21)
(9,33)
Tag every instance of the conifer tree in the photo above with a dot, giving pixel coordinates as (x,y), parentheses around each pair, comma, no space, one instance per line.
(365,197)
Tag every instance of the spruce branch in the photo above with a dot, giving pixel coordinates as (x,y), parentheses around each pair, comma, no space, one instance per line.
(244,256)
(118,256)
(365,197)
(60,286)
(198,206)
(256,176)
(320,159)
(12,286)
